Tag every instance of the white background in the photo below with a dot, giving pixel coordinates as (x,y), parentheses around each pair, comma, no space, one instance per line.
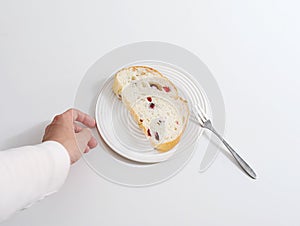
(251,47)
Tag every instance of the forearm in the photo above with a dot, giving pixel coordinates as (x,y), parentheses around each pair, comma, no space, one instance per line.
(30,173)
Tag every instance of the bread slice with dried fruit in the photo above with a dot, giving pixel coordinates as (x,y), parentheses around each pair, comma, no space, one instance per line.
(163,119)
(153,101)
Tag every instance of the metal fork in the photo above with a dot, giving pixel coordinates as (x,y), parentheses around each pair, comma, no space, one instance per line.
(205,122)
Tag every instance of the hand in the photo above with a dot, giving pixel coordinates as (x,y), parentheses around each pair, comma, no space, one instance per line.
(70,134)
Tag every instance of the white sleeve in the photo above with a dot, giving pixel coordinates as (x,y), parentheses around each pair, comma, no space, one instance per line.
(28,174)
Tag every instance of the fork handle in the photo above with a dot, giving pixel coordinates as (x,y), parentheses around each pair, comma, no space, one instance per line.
(238,158)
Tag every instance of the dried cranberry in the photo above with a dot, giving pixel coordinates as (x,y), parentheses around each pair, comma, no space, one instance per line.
(166,88)
(148,132)
(149,99)
(157,136)
(177,122)
(141,120)
(152,105)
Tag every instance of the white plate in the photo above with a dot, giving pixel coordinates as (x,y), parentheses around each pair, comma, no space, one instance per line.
(122,134)
(106,160)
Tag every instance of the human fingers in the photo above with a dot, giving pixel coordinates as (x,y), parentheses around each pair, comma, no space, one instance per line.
(83,138)
(77,128)
(84,118)
(92,142)
(63,119)
(86,150)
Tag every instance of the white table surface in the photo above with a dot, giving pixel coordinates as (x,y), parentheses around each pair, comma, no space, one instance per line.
(251,47)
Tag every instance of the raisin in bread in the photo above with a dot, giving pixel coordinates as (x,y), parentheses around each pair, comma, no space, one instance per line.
(155,105)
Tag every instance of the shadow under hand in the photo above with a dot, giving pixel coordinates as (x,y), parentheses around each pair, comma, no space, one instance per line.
(30,136)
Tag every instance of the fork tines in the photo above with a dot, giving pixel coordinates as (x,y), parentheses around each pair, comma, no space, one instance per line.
(200,114)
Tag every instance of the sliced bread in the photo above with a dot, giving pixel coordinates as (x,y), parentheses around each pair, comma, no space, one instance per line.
(153,101)
(162,119)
